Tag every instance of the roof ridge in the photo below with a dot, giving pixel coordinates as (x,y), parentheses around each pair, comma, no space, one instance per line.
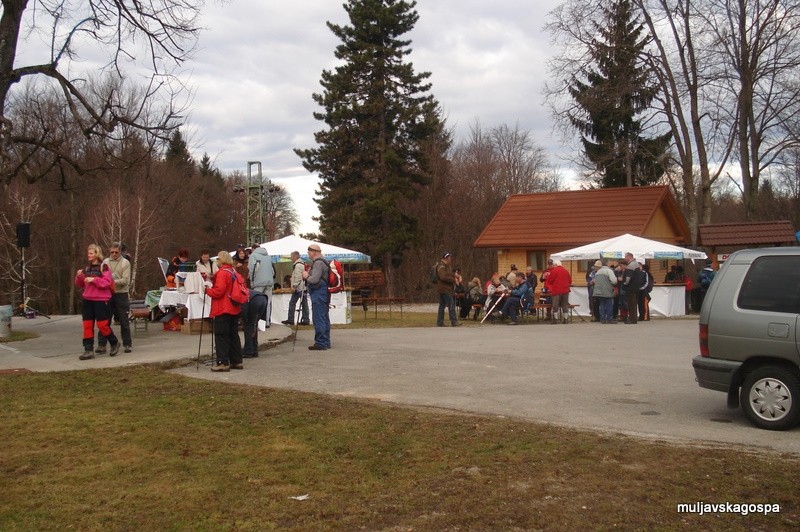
(615,190)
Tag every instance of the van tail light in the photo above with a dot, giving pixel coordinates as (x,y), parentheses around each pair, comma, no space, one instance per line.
(704,340)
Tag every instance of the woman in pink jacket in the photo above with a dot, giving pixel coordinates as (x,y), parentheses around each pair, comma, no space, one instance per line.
(96,281)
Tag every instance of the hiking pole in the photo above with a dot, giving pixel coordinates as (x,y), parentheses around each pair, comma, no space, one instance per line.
(202,325)
(499,299)
(297,318)
(213,342)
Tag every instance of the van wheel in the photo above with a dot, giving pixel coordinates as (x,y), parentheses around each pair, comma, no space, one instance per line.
(770,398)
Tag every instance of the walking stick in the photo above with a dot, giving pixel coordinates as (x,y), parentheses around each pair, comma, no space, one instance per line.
(297,318)
(499,299)
(202,325)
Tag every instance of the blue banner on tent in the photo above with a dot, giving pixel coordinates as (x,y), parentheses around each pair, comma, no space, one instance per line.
(664,255)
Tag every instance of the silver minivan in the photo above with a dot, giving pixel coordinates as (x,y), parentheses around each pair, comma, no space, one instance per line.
(749,334)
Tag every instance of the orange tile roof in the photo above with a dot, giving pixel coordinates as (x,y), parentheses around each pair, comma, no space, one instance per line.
(746,234)
(577,217)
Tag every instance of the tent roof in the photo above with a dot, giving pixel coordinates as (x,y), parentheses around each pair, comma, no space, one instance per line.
(280,250)
(615,248)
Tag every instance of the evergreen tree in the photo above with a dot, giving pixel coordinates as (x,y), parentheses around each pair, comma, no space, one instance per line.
(207,169)
(178,154)
(617,90)
(379,117)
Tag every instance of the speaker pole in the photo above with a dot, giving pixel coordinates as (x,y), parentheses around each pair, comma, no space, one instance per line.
(22,283)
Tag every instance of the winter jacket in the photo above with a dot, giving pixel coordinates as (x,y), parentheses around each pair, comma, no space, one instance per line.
(297,281)
(475,292)
(207,270)
(445,275)
(706,276)
(261,272)
(558,281)
(604,281)
(221,302)
(121,273)
(632,277)
(318,275)
(100,288)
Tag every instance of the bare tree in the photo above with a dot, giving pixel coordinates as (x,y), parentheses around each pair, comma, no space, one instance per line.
(691,103)
(280,215)
(756,56)
(165,29)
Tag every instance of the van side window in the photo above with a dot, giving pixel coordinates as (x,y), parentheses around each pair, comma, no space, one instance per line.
(772,284)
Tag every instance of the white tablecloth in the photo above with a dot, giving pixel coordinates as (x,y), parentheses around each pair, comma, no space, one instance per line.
(666,300)
(340,311)
(192,302)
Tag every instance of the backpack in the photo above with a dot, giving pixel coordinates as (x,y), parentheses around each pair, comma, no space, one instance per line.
(239,293)
(706,276)
(433,274)
(335,277)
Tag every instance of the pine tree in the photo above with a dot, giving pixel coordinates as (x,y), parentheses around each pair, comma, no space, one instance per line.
(617,90)
(379,117)
(208,170)
(178,154)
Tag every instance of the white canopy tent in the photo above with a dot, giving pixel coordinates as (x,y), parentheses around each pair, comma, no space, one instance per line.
(280,250)
(642,248)
(667,300)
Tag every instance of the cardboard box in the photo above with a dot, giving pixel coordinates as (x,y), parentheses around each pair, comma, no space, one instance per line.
(194,326)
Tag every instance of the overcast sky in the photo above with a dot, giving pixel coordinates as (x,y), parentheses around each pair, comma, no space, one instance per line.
(259,61)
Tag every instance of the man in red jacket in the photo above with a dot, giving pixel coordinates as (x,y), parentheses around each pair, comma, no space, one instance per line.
(557,284)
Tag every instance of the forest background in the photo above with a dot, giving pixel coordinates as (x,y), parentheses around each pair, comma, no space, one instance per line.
(98,159)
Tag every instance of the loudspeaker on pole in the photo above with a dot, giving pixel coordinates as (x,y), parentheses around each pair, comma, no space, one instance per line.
(24,235)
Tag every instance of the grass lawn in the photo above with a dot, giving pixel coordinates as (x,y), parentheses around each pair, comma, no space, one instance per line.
(18,336)
(137,448)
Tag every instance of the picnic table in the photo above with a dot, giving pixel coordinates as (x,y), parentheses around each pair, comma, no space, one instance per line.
(366,301)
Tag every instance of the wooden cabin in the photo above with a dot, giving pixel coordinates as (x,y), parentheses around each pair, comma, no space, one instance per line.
(528,228)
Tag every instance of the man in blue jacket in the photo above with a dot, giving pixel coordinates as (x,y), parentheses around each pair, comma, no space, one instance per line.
(518,293)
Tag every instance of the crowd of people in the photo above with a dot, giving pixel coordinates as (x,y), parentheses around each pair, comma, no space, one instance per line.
(104,283)
(619,292)
(502,297)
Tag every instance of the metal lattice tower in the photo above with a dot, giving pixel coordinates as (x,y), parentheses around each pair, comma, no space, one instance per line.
(255,204)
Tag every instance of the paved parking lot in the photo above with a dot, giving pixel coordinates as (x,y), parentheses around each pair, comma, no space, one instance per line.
(632,379)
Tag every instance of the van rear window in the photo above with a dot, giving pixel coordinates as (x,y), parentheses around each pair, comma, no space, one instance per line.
(772,284)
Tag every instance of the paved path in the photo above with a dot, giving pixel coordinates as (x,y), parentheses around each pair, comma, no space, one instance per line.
(628,379)
(59,345)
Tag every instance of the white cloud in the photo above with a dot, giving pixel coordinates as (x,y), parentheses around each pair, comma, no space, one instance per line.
(259,61)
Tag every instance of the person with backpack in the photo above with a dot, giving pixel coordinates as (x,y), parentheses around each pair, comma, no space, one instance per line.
(705,278)
(225,313)
(445,281)
(317,281)
(261,275)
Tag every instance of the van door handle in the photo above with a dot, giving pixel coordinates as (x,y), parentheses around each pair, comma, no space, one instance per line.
(778,330)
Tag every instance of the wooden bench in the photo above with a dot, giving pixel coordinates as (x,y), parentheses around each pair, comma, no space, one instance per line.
(365,301)
(139,314)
